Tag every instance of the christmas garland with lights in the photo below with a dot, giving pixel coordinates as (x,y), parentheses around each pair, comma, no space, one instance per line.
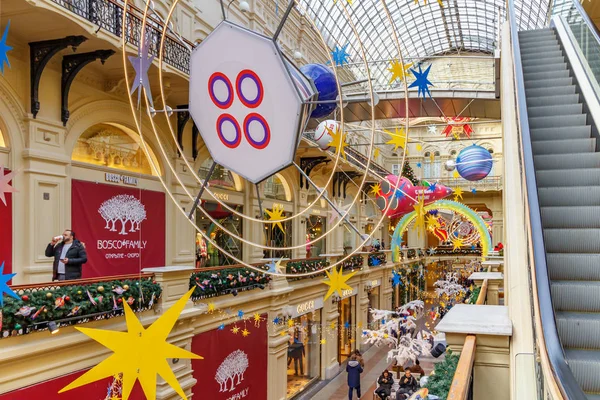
(377,259)
(74,304)
(226,281)
(300,267)
(440,380)
(474,295)
(461,252)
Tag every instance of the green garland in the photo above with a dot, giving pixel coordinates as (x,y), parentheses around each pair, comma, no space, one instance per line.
(440,381)
(302,267)
(379,256)
(474,295)
(74,296)
(225,281)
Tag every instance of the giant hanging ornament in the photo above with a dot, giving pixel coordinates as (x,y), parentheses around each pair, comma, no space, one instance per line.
(474,163)
(405,196)
(323,133)
(324,79)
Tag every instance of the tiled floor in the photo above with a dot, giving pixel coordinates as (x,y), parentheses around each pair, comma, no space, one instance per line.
(295,383)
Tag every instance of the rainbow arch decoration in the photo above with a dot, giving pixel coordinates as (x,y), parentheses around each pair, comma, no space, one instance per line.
(463,210)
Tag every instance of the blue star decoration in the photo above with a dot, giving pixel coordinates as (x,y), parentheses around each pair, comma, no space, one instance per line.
(340,56)
(346,324)
(4,48)
(432,186)
(240,314)
(473,247)
(395,279)
(399,192)
(421,81)
(276,320)
(221,327)
(141,65)
(365,333)
(4,278)
(272,267)
(473,190)
(375,261)
(418,165)
(383,321)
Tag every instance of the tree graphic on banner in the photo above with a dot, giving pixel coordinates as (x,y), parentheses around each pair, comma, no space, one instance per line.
(122,208)
(234,366)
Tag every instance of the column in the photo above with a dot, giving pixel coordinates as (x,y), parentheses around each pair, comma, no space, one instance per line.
(329,350)
(180,240)
(361,310)
(257,235)
(278,344)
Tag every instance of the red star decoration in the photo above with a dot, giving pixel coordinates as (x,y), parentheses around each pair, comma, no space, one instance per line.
(458,125)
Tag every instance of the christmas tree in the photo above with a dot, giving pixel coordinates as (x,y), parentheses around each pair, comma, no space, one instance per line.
(408,172)
(440,380)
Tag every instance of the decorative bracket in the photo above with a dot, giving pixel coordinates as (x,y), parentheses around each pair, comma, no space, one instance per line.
(39,55)
(71,66)
(341,179)
(307,164)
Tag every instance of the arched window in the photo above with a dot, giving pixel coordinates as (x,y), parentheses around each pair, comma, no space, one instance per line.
(275,187)
(114,146)
(2,142)
(221,176)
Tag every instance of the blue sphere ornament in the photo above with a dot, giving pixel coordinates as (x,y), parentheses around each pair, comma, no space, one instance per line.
(324,80)
(474,163)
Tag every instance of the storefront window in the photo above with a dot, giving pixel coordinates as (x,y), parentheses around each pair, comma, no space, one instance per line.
(229,221)
(374,302)
(304,352)
(221,177)
(315,227)
(275,188)
(276,237)
(346,321)
(113,146)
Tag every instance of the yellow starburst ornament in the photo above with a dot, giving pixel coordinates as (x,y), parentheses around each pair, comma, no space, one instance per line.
(290,323)
(399,70)
(211,307)
(276,215)
(375,189)
(457,243)
(235,330)
(338,140)
(419,147)
(245,332)
(376,153)
(432,222)
(323,341)
(420,214)
(337,282)
(455,174)
(139,354)
(458,192)
(398,138)
(425,2)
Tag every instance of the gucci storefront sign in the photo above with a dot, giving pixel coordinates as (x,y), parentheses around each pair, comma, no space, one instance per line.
(306,307)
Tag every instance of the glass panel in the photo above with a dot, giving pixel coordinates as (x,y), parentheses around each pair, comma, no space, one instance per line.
(231,222)
(221,176)
(304,352)
(347,311)
(276,237)
(315,227)
(274,189)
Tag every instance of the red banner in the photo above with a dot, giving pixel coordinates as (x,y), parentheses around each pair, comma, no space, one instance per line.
(123,229)
(94,391)
(234,366)
(6,230)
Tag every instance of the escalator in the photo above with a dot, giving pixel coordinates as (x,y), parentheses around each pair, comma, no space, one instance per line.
(566,162)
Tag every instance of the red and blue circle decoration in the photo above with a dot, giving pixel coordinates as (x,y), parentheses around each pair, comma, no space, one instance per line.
(261,140)
(253,80)
(474,163)
(219,100)
(324,80)
(228,119)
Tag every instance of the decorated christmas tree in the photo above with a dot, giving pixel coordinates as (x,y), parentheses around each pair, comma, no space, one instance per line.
(440,380)
(408,172)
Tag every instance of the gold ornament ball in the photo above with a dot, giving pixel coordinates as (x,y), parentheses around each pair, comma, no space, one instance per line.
(125,287)
(79,292)
(101,289)
(48,295)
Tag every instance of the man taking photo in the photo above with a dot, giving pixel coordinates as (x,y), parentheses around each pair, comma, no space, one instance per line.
(69,255)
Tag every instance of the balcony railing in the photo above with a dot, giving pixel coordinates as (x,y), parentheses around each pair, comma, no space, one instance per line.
(486,184)
(108,15)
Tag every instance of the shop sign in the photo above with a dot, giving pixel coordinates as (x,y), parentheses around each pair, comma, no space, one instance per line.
(306,307)
(349,292)
(316,212)
(221,196)
(118,178)
(278,205)
(374,283)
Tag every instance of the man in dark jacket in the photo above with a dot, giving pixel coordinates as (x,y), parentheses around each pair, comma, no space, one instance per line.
(408,385)
(69,255)
(354,370)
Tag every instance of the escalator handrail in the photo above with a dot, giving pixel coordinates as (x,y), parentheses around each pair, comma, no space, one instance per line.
(587,20)
(561,371)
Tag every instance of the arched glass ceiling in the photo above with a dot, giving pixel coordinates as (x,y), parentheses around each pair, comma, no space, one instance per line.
(423,30)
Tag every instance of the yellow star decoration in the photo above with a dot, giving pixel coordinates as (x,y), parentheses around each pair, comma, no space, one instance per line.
(376,153)
(458,192)
(351,341)
(425,2)
(457,243)
(419,147)
(399,71)
(257,317)
(385,335)
(235,330)
(290,323)
(420,214)
(245,332)
(211,307)
(432,222)
(432,157)
(455,174)
(337,281)
(323,341)
(332,325)
(276,215)
(398,138)
(359,325)
(139,354)
(282,333)
(375,189)
(338,140)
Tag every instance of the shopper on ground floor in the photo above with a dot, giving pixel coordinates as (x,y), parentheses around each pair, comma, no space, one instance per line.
(354,369)
(408,385)
(385,381)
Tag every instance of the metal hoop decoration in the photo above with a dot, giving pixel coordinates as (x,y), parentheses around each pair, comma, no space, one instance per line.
(232,144)
(219,76)
(261,120)
(249,74)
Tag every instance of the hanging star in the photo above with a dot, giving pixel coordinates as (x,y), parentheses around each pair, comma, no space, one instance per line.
(221,327)
(400,191)
(457,243)
(474,191)
(376,152)
(395,279)
(375,261)
(347,325)
(422,82)
(375,189)
(276,215)
(432,129)
(455,174)
(432,157)
(432,186)
(419,165)
(332,325)
(141,65)
(340,56)
(336,281)
(420,214)
(139,354)
(432,222)
(290,323)
(323,341)
(4,278)
(240,314)
(211,307)
(275,267)
(399,71)
(245,332)
(4,184)
(419,147)
(338,140)
(235,330)
(4,48)
(276,320)
(458,194)
(398,138)
(431,251)
(257,318)
(359,325)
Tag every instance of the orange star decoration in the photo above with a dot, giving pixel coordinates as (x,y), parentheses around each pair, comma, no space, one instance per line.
(276,215)
(420,214)
(235,330)
(375,189)
(457,243)
(399,70)
(337,281)
(338,140)
(245,332)
(458,126)
(398,138)
(458,192)
(139,354)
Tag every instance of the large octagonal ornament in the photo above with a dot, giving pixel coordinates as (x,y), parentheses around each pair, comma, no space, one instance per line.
(247,101)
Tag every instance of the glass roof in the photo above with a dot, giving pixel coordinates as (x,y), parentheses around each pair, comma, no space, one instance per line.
(424,30)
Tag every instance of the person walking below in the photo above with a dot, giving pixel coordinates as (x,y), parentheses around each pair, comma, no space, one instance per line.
(359,358)
(354,369)
(69,255)
(385,381)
